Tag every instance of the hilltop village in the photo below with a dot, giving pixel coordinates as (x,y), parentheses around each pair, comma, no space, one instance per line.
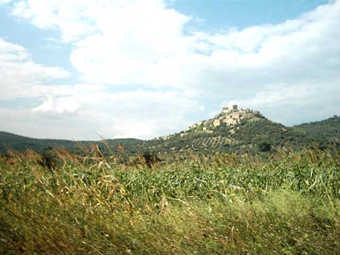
(229,116)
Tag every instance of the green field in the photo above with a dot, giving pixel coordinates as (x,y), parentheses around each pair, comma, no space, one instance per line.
(288,203)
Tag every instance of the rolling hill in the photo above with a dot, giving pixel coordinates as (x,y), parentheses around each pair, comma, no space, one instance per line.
(21,143)
(233,130)
(325,131)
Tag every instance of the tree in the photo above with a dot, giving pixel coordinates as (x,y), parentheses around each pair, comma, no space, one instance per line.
(265,147)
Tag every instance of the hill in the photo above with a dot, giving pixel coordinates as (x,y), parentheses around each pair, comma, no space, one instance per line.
(21,143)
(233,130)
(325,131)
(17,142)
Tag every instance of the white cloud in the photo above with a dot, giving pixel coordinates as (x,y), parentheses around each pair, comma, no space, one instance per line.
(138,114)
(82,110)
(56,14)
(58,105)
(136,43)
(20,76)
(119,41)
(131,42)
(295,104)
(5,1)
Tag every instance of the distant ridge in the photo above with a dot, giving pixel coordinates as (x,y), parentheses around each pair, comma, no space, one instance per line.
(21,143)
(325,131)
(233,130)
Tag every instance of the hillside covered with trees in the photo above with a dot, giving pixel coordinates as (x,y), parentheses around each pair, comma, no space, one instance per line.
(233,130)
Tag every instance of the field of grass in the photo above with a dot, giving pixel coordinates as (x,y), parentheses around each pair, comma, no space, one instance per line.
(286,204)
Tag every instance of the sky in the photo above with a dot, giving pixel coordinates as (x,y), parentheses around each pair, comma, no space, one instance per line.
(86,70)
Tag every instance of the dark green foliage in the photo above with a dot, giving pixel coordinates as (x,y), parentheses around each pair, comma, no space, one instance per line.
(326,131)
(150,159)
(275,134)
(49,159)
(264,147)
(247,137)
(21,143)
(261,135)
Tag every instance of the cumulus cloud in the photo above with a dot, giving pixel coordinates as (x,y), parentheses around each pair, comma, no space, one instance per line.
(138,114)
(130,42)
(65,110)
(133,44)
(295,104)
(20,76)
(5,1)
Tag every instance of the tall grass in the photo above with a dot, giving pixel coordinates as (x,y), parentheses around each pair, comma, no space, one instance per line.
(287,204)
